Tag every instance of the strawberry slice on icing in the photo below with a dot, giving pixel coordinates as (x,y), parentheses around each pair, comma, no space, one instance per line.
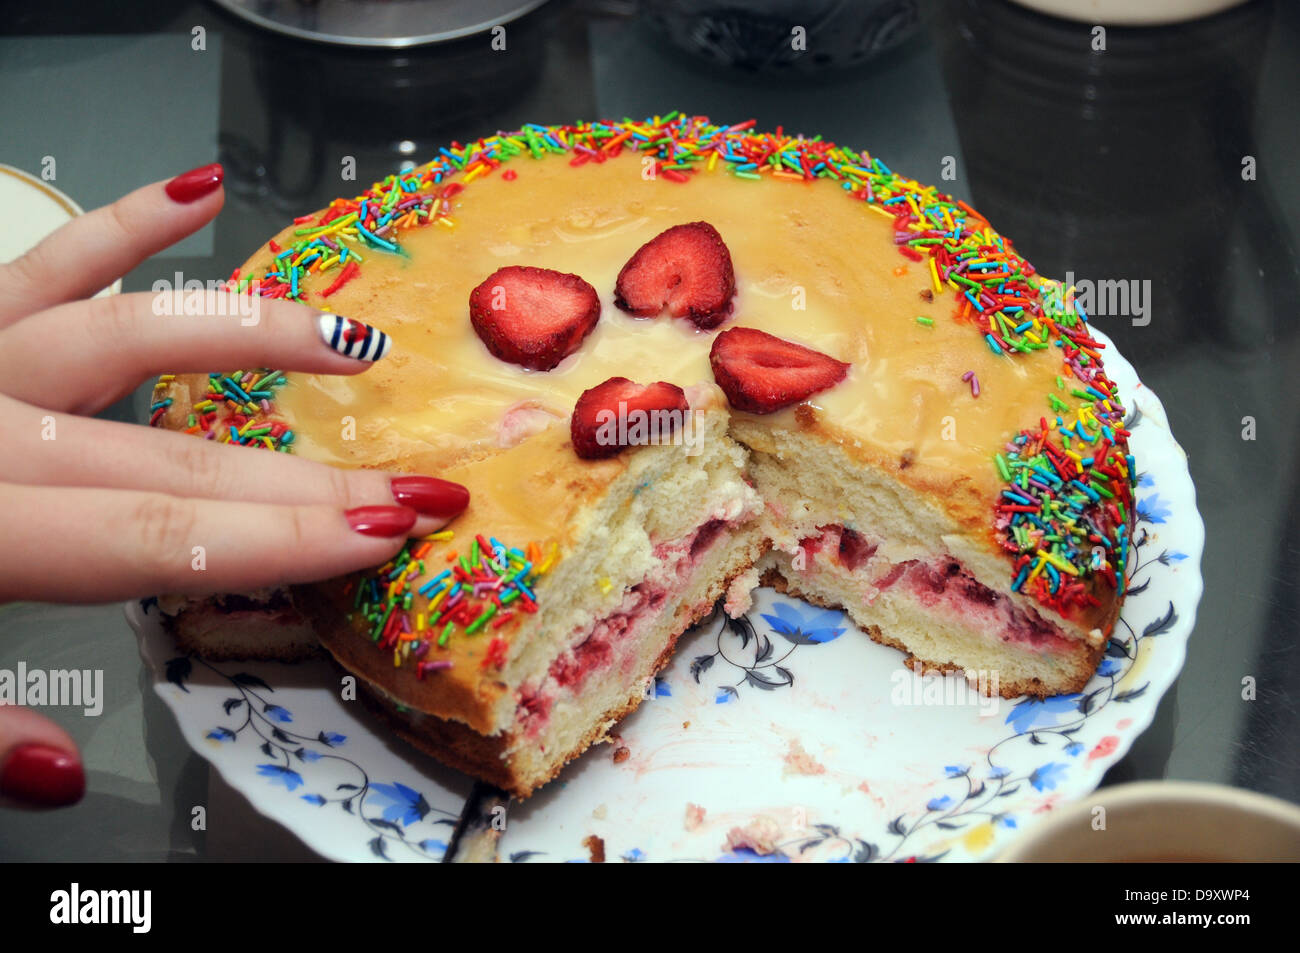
(533,317)
(620,413)
(686,269)
(762,373)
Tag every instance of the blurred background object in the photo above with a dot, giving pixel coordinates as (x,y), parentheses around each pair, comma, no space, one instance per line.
(1144,183)
(357,93)
(393,24)
(763,36)
(1130,12)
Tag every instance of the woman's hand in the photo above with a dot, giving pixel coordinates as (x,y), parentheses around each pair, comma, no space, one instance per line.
(98,510)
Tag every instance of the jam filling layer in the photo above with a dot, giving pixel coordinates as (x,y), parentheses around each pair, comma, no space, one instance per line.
(941,585)
(611,640)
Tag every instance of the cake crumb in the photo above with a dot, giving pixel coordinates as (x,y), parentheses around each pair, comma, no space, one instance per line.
(600,812)
(740,594)
(685,725)
(694,817)
(761,835)
(799,761)
(621,754)
(595,848)
(927,295)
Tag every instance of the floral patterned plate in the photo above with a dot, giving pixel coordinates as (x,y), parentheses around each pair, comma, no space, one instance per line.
(323,767)
(784,735)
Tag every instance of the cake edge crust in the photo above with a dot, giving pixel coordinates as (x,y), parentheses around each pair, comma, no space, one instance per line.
(300,645)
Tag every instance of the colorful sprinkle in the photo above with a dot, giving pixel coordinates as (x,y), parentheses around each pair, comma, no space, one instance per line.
(236,408)
(470,596)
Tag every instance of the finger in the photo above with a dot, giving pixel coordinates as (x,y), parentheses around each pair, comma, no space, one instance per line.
(94,250)
(108,345)
(63,450)
(39,763)
(89,545)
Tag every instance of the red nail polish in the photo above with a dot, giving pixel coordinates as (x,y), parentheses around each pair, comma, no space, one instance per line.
(193,185)
(381,520)
(431,496)
(43,776)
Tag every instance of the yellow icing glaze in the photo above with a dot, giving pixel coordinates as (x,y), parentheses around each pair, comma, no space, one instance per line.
(812,265)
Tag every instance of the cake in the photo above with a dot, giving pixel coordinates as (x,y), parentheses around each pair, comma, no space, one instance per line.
(856,390)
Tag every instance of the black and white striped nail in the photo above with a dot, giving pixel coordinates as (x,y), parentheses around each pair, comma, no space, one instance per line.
(353,338)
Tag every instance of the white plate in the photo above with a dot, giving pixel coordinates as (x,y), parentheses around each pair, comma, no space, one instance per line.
(34,209)
(797,727)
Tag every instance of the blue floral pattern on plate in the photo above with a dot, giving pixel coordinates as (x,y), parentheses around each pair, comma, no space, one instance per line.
(255,737)
(739,689)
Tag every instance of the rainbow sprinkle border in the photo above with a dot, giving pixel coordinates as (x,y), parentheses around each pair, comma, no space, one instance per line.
(1065,509)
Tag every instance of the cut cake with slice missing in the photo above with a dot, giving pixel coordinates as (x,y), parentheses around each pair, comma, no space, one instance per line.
(651,541)
(911,425)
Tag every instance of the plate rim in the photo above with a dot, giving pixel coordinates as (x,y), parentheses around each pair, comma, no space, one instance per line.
(60,198)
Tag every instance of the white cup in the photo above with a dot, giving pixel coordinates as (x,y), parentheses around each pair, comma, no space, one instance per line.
(1152,821)
(1128,12)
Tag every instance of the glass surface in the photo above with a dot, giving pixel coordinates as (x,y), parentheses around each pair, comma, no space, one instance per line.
(1122,164)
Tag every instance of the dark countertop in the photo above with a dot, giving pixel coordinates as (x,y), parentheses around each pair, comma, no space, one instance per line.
(1123,164)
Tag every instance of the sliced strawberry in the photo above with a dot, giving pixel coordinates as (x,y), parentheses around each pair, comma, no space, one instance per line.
(686,269)
(533,316)
(616,414)
(762,373)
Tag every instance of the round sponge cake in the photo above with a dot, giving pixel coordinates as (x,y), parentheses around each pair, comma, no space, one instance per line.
(964,492)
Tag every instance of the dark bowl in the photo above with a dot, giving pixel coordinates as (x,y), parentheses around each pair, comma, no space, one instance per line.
(763,36)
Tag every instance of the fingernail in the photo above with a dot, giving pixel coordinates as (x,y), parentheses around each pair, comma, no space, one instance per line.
(196,183)
(353,338)
(381,520)
(43,776)
(430,496)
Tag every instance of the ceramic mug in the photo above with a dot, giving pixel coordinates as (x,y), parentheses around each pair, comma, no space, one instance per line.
(1154,821)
